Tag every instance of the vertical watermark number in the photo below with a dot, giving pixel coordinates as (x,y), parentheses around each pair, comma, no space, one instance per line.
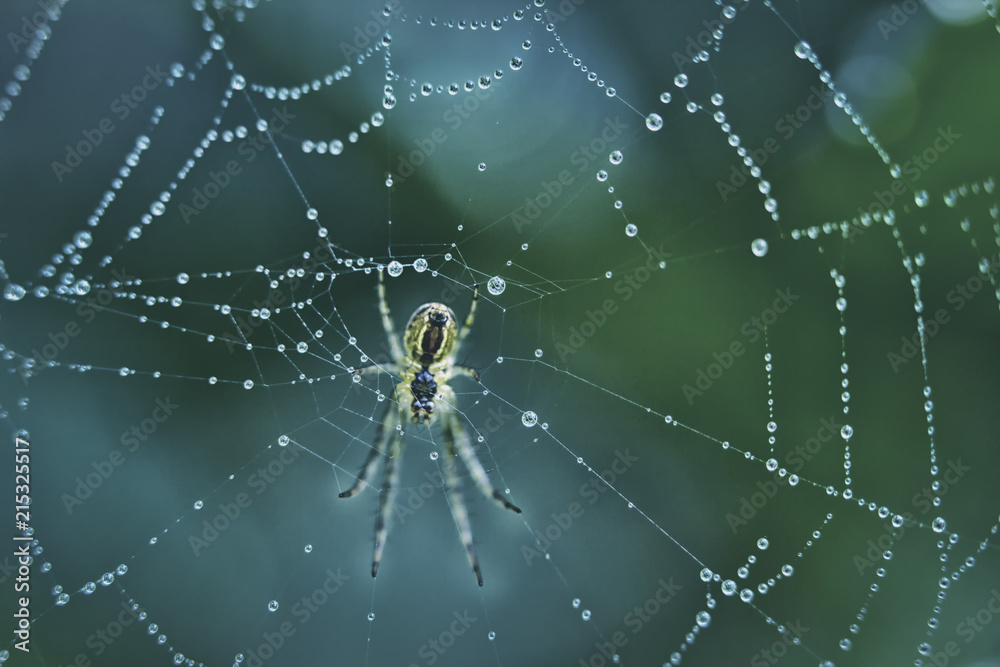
(22,517)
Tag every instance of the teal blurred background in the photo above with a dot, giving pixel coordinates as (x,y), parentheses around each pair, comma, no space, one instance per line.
(606,398)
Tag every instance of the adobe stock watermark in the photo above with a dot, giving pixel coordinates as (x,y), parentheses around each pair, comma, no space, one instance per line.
(248,149)
(696,46)
(582,158)
(909,172)
(276,297)
(968,629)
(303,610)
(894,529)
(364,34)
(591,491)
(752,330)
(792,634)
(417,497)
(898,17)
(562,11)
(105,636)
(49,11)
(786,128)
(454,117)
(229,512)
(121,107)
(796,459)
(131,440)
(435,647)
(959,297)
(59,339)
(606,652)
(627,286)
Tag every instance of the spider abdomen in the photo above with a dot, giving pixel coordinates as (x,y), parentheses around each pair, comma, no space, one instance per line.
(424,388)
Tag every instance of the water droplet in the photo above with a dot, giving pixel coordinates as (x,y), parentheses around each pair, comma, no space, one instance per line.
(420,265)
(616,157)
(198,504)
(496,285)
(238,82)
(939,525)
(631,230)
(762,543)
(654,122)
(703,619)
(803,50)
(302,347)
(681,80)
(759,247)
(13,292)
(846,431)
(921,198)
(395,268)
(529,418)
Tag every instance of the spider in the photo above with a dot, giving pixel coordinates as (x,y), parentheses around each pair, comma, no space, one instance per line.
(425,363)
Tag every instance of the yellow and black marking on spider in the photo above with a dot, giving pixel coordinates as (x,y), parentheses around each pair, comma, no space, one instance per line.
(425,366)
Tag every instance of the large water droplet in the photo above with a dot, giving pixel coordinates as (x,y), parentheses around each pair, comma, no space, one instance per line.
(496,285)
(13,292)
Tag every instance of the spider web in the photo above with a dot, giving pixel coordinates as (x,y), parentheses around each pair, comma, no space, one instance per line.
(738,261)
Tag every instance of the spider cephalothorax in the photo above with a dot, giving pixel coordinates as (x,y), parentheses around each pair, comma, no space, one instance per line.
(425,363)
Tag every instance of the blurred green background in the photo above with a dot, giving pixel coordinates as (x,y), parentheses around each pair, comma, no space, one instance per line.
(609,396)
